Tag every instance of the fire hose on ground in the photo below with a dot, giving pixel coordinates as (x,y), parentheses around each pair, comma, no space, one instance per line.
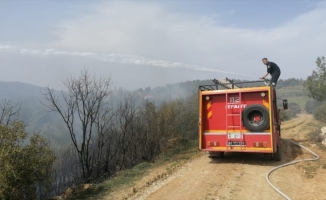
(290,163)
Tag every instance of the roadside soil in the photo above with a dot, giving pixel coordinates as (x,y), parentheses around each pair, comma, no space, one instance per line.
(239,175)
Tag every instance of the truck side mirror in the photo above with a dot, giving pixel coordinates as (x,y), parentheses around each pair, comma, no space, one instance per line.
(285,104)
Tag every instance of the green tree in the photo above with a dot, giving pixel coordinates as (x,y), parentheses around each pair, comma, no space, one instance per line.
(316,83)
(320,112)
(25,166)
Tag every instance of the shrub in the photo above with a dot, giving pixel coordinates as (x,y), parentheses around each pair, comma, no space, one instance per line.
(320,112)
(295,108)
(25,166)
(311,106)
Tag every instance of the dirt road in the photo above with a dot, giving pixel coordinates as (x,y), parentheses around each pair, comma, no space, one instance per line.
(239,175)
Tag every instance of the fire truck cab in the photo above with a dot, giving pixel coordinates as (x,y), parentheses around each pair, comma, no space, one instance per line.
(239,117)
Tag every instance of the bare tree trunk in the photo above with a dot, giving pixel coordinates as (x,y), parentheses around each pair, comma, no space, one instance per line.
(9,112)
(83,107)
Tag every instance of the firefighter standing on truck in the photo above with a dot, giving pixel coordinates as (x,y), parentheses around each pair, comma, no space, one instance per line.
(273,70)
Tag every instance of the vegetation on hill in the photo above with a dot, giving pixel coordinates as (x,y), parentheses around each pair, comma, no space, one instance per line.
(109,135)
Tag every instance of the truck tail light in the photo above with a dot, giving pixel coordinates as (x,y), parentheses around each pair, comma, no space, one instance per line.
(212,144)
(260,144)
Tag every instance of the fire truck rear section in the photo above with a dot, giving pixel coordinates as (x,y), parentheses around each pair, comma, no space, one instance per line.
(239,119)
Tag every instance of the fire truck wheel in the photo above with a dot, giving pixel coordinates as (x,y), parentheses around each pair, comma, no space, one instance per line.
(255,118)
(212,154)
(277,154)
(267,156)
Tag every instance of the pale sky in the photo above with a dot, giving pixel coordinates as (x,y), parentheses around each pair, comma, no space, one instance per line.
(154,43)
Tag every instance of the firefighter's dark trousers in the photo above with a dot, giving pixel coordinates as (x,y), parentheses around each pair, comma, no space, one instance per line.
(275,77)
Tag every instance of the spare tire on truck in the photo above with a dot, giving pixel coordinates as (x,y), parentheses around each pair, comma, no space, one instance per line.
(255,117)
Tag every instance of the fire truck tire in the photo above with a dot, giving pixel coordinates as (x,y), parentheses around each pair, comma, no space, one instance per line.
(277,155)
(213,154)
(267,156)
(255,118)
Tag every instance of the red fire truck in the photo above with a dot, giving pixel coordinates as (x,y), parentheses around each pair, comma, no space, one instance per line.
(239,117)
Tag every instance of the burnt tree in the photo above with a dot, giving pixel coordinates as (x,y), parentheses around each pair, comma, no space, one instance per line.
(85,111)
